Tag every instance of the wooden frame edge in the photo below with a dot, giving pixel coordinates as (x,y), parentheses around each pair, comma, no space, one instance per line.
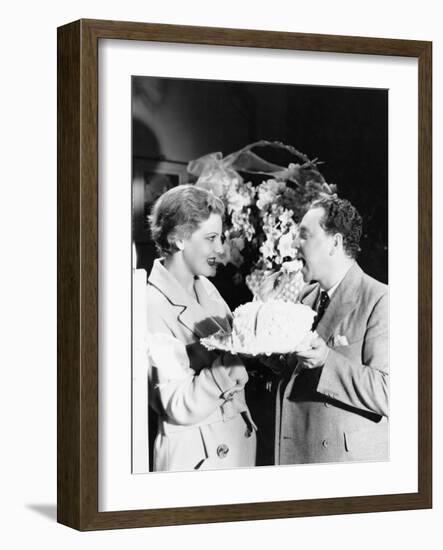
(77,170)
(68,274)
(425,271)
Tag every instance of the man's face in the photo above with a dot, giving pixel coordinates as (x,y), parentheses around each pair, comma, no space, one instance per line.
(314,246)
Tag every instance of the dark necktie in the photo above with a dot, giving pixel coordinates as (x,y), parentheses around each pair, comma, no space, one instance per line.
(322,305)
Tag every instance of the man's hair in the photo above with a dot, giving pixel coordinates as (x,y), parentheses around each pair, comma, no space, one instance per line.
(179,212)
(340,216)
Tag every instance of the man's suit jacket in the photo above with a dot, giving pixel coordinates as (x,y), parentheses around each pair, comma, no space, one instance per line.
(339,412)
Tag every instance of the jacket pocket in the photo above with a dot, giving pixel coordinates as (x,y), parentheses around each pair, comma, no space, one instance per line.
(370,443)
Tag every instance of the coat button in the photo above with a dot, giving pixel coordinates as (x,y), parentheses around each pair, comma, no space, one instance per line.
(325,443)
(222,450)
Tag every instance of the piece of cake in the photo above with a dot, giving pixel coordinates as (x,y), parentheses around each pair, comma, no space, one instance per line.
(274,326)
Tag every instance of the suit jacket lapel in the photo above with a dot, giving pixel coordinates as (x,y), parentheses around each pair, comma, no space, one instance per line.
(341,304)
(311,296)
(343,301)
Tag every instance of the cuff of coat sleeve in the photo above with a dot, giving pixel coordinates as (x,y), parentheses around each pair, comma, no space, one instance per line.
(328,375)
(224,382)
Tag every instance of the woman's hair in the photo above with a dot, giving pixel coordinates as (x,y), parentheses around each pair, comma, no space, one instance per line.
(179,212)
(341,217)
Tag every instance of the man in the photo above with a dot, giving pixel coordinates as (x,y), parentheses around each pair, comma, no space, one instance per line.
(332,405)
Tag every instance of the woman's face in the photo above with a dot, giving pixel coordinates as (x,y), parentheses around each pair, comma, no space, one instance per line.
(201,251)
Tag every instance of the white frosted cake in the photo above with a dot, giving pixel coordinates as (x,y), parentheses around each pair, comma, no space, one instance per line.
(274,326)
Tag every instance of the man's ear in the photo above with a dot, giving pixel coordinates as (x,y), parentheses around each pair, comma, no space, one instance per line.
(337,243)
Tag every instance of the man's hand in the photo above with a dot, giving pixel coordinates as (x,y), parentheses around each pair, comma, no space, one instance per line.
(315,356)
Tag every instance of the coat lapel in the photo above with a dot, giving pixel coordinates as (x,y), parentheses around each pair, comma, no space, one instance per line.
(202,318)
(341,304)
(343,301)
(310,298)
(206,316)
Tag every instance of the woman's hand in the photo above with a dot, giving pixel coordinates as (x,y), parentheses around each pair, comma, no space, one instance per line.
(236,369)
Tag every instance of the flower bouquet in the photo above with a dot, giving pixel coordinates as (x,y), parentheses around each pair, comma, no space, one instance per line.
(264,203)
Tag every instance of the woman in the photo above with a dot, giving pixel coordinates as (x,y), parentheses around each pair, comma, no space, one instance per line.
(204,422)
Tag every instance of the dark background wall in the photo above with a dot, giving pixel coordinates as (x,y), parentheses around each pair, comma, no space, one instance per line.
(346,128)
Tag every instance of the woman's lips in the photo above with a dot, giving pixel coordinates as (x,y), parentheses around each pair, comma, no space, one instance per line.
(212,262)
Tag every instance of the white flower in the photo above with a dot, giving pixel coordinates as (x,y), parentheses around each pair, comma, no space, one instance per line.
(241,224)
(268,192)
(286,246)
(265,198)
(267,249)
(239,195)
(286,217)
(237,201)
(293,266)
